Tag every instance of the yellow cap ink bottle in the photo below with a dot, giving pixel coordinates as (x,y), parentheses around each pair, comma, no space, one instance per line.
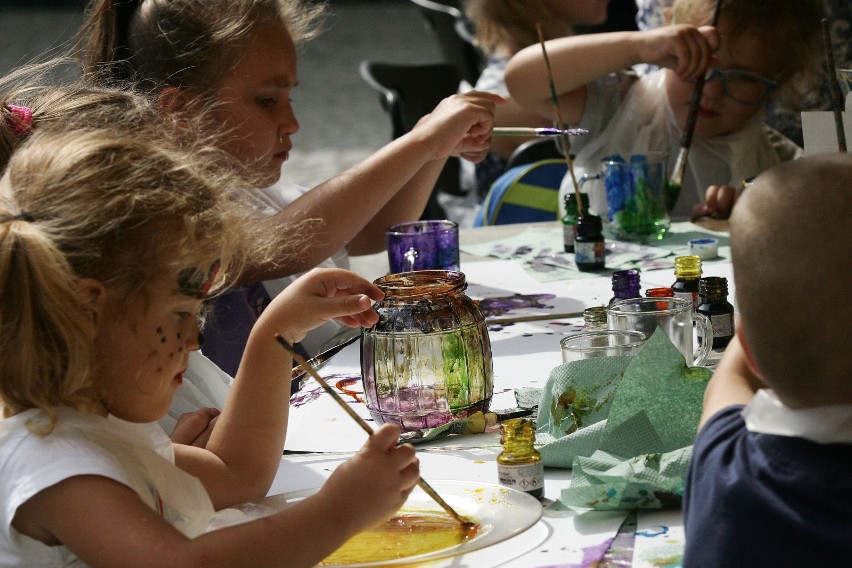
(713,291)
(519,465)
(594,319)
(687,274)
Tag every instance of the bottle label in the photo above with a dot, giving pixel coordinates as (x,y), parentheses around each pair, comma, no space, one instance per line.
(723,325)
(589,252)
(688,296)
(525,477)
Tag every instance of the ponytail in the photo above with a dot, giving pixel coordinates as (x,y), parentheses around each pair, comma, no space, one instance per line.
(104,41)
(46,334)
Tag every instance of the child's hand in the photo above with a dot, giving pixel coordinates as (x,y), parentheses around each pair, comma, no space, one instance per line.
(685,49)
(461,125)
(321,295)
(194,428)
(375,483)
(718,203)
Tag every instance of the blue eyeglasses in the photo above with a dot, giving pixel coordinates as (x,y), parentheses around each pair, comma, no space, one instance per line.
(742,86)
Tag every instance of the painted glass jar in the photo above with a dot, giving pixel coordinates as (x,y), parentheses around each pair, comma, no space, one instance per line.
(427,361)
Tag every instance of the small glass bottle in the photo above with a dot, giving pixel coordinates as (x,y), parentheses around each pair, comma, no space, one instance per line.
(519,465)
(687,274)
(713,291)
(659,293)
(569,220)
(625,284)
(589,249)
(594,319)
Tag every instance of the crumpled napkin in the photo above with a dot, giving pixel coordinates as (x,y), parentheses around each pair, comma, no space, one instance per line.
(625,425)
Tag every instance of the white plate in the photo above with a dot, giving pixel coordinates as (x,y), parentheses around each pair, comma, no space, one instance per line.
(501,512)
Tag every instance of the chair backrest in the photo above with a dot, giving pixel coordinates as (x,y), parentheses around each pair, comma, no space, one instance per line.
(452,31)
(534,151)
(407,92)
(524,194)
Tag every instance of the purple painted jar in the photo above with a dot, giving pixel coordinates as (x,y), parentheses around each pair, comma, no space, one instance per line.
(427,361)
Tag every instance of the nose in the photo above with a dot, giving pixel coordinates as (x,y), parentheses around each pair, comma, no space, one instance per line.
(192,336)
(713,88)
(288,124)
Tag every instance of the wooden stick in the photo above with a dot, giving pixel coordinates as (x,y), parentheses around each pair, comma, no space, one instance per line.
(676,180)
(836,97)
(364,426)
(566,144)
(538,317)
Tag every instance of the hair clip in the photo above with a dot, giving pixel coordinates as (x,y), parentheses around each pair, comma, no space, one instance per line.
(20,119)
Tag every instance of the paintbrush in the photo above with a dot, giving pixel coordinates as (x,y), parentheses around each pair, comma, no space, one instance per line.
(300,374)
(543,132)
(366,427)
(676,181)
(566,144)
(836,97)
(537,317)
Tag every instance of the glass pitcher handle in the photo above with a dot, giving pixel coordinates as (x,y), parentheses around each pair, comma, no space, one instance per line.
(706,328)
(410,258)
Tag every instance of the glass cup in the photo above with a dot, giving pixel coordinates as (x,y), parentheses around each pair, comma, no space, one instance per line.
(601,343)
(844,78)
(635,195)
(674,316)
(423,245)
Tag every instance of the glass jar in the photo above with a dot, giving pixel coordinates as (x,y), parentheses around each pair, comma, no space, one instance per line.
(427,361)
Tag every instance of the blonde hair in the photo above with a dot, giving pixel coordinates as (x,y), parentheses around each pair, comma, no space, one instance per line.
(790,238)
(182,43)
(67,106)
(117,207)
(779,24)
(512,23)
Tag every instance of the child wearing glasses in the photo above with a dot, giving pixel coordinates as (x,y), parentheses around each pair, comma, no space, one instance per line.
(753,53)
(769,481)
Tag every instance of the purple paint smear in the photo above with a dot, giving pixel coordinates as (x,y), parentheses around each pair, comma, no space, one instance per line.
(592,556)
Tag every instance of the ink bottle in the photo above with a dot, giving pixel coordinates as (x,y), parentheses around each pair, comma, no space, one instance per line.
(625,284)
(659,293)
(519,465)
(589,249)
(713,291)
(594,319)
(687,275)
(569,220)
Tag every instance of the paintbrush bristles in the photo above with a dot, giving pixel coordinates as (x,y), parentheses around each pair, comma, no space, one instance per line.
(566,144)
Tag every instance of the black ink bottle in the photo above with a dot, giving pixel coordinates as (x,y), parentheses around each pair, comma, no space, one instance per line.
(589,249)
(713,303)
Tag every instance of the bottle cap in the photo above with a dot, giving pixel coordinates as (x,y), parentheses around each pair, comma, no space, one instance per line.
(704,248)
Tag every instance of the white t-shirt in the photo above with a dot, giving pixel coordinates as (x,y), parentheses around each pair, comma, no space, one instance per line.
(627,116)
(139,456)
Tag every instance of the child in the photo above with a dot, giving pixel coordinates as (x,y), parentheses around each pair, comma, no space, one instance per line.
(238,57)
(751,54)
(109,245)
(769,482)
(504,27)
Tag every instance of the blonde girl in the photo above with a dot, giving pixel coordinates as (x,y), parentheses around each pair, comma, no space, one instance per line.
(109,245)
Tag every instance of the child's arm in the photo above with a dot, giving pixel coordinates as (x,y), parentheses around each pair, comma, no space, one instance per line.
(578,60)
(245,448)
(732,383)
(388,187)
(106,524)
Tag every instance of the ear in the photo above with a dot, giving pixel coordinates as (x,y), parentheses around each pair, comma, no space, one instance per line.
(174,104)
(92,295)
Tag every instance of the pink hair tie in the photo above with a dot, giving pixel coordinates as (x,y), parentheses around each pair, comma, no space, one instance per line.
(21,120)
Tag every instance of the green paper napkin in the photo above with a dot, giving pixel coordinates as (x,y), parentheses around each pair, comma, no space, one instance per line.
(635,418)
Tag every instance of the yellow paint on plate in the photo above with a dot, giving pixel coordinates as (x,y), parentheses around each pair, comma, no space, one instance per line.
(410,532)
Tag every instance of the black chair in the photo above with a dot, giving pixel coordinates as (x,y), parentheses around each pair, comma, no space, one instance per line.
(534,151)
(453,32)
(407,92)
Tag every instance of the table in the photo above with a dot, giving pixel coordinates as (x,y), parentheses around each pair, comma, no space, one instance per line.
(321,436)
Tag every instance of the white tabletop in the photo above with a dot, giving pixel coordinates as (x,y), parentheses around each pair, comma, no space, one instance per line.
(524,353)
